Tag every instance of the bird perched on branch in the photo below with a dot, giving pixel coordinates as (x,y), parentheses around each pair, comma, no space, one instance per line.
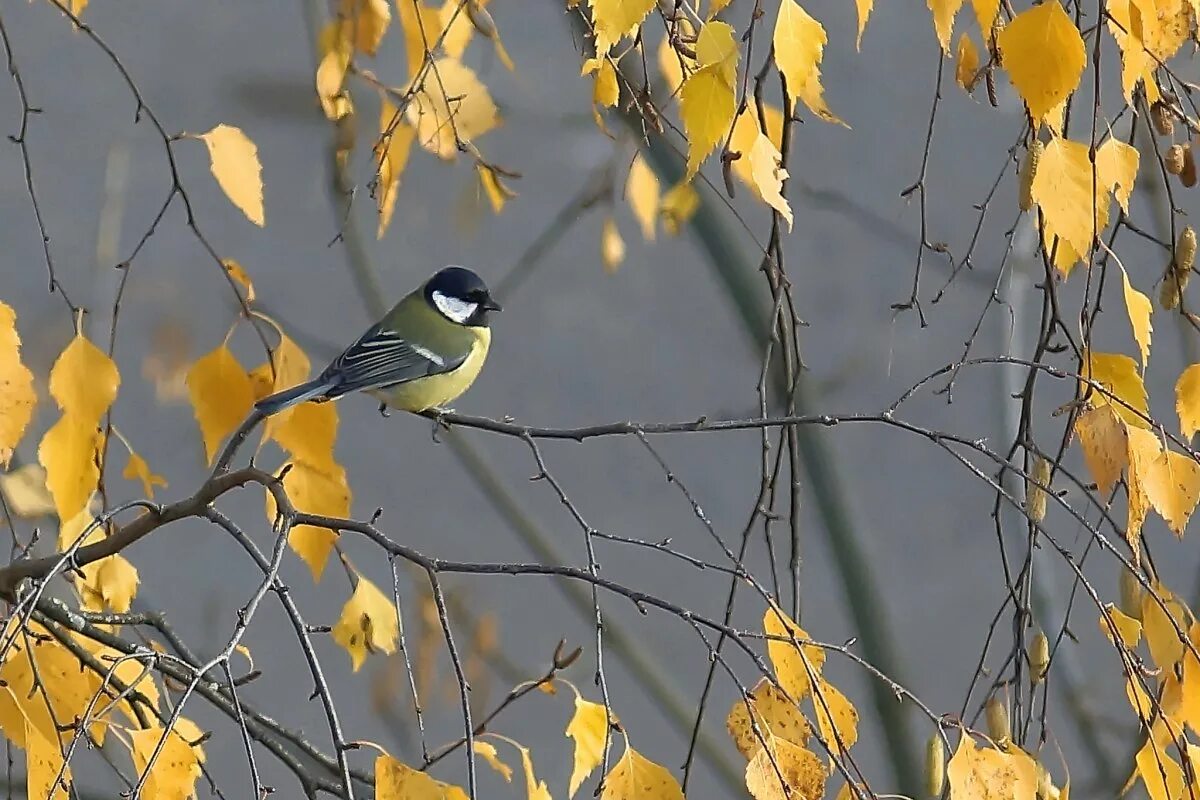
(423,354)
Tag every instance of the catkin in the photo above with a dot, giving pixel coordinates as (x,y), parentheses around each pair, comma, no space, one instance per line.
(1188,176)
(1185,249)
(997,721)
(1131,595)
(1173,159)
(1035,495)
(935,766)
(1168,291)
(1039,657)
(1025,176)
(1164,121)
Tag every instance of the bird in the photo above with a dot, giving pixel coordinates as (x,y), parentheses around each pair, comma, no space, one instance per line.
(421,356)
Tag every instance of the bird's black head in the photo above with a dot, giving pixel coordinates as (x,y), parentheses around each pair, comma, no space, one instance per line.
(461,296)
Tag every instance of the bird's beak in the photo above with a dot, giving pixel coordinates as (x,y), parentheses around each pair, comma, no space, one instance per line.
(491,305)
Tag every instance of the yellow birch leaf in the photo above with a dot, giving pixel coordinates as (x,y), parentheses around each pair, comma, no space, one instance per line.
(1044,56)
(864,8)
(314,490)
(221,395)
(837,718)
(606,92)
(967,66)
(642,190)
(799,42)
(615,19)
(716,7)
(985,14)
(678,205)
(1117,168)
(395,780)
(290,367)
(487,751)
(113,581)
(238,273)
(1144,449)
(1062,188)
(795,666)
(83,380)
(174,773)
(391,154)
(769,176)
(24,491)
(716,46)
(309,433)
(369,20)
(1161,774)
(803,774)
(534,788)
(1187,400)
(1122,386)
(334,45)
(48,684)
(773,714)
(420,24)
(131,673)
(262,378)
(43,763)
(707,105)
(587,727)
(17,397)
(456,24)
(136,469)
(452,105)
(1162,613)
(1138,307)
(987,774)
(1173,486)
(746,129)
(69,451)
(1129,630)
(612,246)
(497,193)
(368,623)
(944,12)
(235,165)
(1104,443)
(636,777)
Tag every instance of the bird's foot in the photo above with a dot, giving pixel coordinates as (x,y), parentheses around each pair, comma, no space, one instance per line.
(439,423)
(383,410)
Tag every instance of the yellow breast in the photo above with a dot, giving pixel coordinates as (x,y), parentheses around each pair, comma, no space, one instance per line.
(436,391)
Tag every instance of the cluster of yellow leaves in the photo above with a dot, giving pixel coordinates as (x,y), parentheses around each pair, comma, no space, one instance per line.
(769,727)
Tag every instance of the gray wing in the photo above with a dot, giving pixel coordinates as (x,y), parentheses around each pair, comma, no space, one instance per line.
(382,358)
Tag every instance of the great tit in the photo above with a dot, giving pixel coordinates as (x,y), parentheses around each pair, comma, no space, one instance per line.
(423,354)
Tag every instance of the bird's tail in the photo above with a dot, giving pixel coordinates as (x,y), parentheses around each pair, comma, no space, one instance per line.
(293,396)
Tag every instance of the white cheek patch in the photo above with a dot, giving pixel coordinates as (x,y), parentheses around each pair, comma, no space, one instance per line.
(453,308)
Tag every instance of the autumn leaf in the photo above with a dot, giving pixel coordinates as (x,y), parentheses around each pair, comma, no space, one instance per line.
(493,187)
(1163,616)
(1063,189)
(967,63)
(707,105)
(1172,483)
(1120,385)
(615,19)
(678,205)
(769,176)
(612,246)
(17,397)
(674,65)
(368,623)
(1104,443)
(1129,630)
(110,584)
(136,469)
(43,763)
(334,45)
(24,491)
(452,106)
(398,781)
(643,192)
(238,274)
(1044,55)
(837,718)
(221,396)
(864,8)
(716,46)
(69,452)
(773,713)
(84,380)
(420,24)
(588,727)
(986,12)
(1187,400)
(1117,168)
(799,42)
(785,771)
(1161,774)
(487,751)
(234,161)
(795,666)
(313,490)
(1138,308)
(636,777)
(290,367)
(369,20)
(943,20)
(746,130)
(309,434)
(43,668)
(1144,450)
(988,774)
(534,789)
(175,770)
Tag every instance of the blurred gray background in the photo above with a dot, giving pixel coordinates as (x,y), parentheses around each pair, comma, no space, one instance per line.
(658,340)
